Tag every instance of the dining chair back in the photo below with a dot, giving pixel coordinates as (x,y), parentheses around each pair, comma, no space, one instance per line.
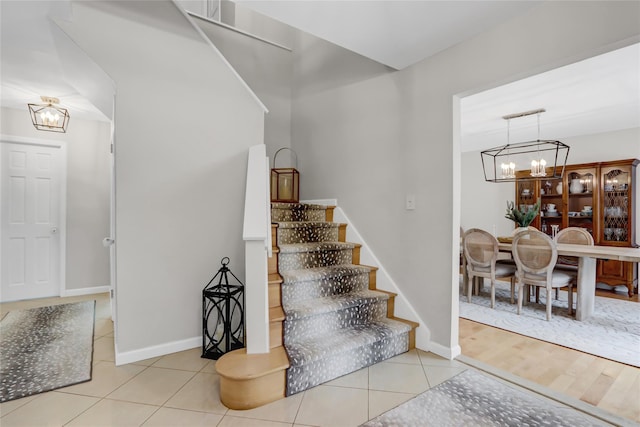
(481,253)
(535,255)
(569,264)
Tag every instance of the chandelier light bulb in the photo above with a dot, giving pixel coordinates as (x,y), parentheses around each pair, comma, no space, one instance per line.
(538,168)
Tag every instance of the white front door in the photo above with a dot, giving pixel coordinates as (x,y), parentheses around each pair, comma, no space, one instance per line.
(30,218)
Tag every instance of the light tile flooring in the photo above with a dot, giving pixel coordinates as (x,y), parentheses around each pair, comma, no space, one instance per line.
(181,389)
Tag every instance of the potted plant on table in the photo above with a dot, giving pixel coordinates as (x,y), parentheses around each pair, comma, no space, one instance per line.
(522,217)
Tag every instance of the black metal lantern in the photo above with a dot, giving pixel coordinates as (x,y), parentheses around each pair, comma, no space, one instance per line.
(285,182)
(501,163)
(222,314)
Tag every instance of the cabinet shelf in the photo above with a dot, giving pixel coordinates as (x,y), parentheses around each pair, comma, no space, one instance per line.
(581,195)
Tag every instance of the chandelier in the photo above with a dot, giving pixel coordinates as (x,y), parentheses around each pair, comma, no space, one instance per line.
(49,116)
(542,158)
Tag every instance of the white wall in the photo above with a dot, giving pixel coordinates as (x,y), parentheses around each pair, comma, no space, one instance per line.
(371,139)
(184,123)
(267,69)
(88,187)
(483,203)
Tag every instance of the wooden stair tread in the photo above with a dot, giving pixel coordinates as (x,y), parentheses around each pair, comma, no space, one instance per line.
(408,322)
(391,294)
(274,278)
(239,365)
(276,314)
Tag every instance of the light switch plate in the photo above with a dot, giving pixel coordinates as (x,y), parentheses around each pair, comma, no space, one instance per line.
(410,203)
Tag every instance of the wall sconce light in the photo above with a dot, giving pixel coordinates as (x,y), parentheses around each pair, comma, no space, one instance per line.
(285,182)
(49,117)
(500,163)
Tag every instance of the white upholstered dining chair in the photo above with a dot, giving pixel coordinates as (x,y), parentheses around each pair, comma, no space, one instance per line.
(535,255)
(480,249)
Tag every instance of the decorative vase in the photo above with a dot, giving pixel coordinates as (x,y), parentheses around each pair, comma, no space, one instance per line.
(519,230)
(576,186)
(559,188)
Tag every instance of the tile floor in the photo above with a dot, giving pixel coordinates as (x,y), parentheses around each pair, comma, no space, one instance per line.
(181,389)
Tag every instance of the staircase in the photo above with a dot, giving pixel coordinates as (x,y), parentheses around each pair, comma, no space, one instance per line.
(326,316)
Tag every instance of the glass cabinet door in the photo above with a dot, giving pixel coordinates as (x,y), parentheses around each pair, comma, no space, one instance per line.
(616,224)
(551,206)
(581,199)
(526,195)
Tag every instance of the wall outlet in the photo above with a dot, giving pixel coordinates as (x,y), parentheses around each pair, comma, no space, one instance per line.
(410,203)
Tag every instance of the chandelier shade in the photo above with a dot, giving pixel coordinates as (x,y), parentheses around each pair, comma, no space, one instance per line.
(542,158)
(49,116)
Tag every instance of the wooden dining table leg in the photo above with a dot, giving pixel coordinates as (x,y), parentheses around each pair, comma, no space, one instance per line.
(586,288)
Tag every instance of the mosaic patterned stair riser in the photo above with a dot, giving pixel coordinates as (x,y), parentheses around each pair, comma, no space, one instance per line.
(334,324)
(319,325)
(285,212)
(302,232)
(336,364)
(309,255)
(341,279)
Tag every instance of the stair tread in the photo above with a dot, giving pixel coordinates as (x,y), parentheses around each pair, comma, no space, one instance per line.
(299,206)
(274,278)
(276,314)
(303,352)
(306,308)
(408,322)
(315,247)
(240,365)
(318,273)
(304,224)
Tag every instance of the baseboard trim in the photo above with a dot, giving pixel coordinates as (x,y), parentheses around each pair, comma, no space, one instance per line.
(122,358)
(442,351)
(86,291)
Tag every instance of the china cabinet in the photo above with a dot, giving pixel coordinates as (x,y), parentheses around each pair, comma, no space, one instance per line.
(599,197)
(616,213)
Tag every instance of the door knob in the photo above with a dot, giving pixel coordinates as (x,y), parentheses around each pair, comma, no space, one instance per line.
(54,230)
(107,241)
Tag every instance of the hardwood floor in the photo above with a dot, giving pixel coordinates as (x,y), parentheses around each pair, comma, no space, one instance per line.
(609,385)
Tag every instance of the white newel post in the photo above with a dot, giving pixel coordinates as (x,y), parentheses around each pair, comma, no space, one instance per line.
(257,237)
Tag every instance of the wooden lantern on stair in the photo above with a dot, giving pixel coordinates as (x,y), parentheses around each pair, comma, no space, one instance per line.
(285,182)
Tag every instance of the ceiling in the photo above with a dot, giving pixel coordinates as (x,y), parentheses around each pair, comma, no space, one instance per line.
(596,95)
(393,32)
(600,94)
(33,50)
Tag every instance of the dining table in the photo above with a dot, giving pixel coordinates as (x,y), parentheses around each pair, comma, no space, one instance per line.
(586,281)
